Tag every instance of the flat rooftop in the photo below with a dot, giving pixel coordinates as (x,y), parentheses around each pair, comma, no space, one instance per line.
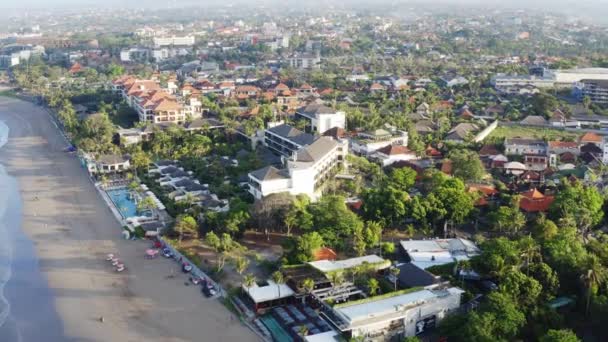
(326,266)
(260,294)
(368,312)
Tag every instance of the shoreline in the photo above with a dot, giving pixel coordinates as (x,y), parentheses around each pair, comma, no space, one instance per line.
(72,230)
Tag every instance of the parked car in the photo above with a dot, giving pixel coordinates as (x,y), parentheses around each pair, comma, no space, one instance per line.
(208,289)
(167,253)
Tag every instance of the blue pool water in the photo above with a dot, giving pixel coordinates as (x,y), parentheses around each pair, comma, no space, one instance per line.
(278,333)
(122,201)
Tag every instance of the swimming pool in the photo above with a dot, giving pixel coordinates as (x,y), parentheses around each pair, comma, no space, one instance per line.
(124,202)
(278,333)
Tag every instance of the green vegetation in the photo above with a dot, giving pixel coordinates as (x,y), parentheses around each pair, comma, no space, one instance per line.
(380,297)
(548,134)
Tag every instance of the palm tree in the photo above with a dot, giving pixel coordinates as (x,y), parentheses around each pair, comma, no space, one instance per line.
(134,186)
(308,285)
(249,281)
(241,264)
(146,203)
(303,330)
(277,277)
(530,250)
(372,286)
(395,272)
(593,277)
(104,181)
(185,224)
(336,278)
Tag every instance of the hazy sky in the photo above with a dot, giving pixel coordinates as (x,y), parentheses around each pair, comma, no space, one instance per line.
(598,8)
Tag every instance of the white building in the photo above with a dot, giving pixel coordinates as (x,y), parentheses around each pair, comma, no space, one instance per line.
(110,163)
(596,90)
(393,153)
(549,78)
(571,76)
(327,266)
(304,61)
(173,41)
(134,54)
(367,143)
(512,84)
(402,315)
(321,118)
(285,140)
(427,253)
(305,171)
(519,146)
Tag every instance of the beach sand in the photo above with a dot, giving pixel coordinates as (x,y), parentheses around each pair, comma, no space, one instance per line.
(72,230)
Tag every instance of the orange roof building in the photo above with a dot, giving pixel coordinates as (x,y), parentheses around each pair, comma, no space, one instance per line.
(76,68)
(324,253)
(487,192)
(533,201)
(591,137)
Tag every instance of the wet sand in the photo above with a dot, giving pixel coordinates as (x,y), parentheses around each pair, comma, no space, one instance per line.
(72,230)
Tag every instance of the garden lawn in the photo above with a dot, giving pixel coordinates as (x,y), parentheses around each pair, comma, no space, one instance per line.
(533,132)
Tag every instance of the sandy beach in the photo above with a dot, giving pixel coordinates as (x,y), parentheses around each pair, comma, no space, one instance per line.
(70,230)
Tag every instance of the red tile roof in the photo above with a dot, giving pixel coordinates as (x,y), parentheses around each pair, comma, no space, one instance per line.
(324,253)
(392,150)
(488,150)
(563,144)
(591,137)
(533,201)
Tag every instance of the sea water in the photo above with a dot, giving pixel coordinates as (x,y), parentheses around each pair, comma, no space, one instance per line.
(26,302)
(8,329)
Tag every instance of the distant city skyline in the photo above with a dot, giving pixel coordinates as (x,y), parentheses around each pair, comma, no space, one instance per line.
(597,9)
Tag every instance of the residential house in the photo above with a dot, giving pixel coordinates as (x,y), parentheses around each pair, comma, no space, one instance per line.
(533,201)
(305,90)
(461,132)
(534,120)
(560,147)
(245,92)
(450,81)
(424,110)
(590,153)
(376,88)
(591,138)
(521,146)
(393,153)
(558,119)
(366,143)
(488,194)
(536,162)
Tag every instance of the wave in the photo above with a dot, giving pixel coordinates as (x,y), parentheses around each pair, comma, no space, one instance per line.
(3,133)
(6,253)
